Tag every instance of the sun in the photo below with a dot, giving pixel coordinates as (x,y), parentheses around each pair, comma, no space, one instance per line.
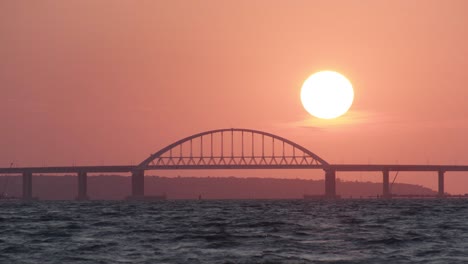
(327,94)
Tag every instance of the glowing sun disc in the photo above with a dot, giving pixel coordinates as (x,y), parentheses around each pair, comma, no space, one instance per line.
(327,94)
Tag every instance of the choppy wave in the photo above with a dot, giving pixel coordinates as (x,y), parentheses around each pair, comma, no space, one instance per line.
(277,231)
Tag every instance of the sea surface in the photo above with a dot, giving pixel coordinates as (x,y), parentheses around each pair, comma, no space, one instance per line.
(235,231)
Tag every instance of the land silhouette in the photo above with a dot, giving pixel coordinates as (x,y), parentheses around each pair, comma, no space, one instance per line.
(113,187)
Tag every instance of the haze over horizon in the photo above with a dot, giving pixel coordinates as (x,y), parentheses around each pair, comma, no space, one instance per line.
(92,83)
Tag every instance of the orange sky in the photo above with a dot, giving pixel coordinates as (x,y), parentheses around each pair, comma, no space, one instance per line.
(106,82)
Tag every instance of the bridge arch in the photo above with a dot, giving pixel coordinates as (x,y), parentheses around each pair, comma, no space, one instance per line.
(232,148)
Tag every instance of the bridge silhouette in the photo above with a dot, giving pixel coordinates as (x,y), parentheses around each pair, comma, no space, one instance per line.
(232,148)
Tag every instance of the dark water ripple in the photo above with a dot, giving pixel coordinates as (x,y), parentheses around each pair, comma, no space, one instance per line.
(296,231)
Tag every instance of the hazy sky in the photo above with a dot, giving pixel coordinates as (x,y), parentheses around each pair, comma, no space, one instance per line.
(109,82)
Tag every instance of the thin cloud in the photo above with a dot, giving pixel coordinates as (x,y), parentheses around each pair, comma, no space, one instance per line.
(350,119)
(361,119)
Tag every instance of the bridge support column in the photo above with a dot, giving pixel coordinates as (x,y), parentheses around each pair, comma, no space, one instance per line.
(138,184)
(27,186)
(82,186)
(386,185)
(330,184)
(441,184)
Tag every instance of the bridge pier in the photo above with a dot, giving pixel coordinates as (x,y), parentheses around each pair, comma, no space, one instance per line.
(138,184)
(27,186)
(441,192)
(82,186)
(330,184)
(386,185)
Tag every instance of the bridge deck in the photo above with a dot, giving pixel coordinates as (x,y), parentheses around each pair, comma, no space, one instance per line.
(336,167)
(397,167)
(73,169)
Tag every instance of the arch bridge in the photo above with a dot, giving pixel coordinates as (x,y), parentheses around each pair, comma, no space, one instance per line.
(232,148)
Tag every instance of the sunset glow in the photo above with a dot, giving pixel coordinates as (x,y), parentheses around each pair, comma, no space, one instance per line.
(109,82)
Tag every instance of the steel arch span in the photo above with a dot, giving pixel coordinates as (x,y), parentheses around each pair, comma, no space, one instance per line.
(233,148)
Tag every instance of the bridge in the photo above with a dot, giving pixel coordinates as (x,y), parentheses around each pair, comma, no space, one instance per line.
(232,148)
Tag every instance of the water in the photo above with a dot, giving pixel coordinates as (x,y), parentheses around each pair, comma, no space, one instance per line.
(277,231)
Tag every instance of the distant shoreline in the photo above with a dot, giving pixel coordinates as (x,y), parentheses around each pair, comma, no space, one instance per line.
(113,187)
